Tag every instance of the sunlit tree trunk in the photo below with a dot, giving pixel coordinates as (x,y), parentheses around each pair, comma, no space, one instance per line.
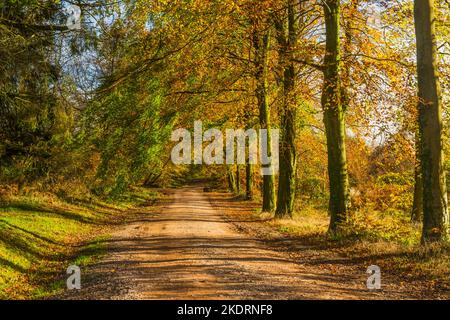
(334,120)
(288,159)
(261,45)
(417,208)
(435,205)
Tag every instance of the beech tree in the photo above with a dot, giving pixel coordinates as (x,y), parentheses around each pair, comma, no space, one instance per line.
(435,204)
(286,35)
(334,118)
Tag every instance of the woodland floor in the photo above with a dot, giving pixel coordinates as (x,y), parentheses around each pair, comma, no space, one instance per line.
(206,245)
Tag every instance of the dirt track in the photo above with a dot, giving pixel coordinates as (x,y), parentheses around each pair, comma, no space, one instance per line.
(185,249)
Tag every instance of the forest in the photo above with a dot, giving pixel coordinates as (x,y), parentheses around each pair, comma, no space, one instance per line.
(94,93)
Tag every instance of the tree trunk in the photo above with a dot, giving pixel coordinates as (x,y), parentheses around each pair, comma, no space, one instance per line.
(334,120)
(288,159)
(347,51)
(248,181)
(261,45)
(230,179)
(238,179)
(417,209)
(435,205)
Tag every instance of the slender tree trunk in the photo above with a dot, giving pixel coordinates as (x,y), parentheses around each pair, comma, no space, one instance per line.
(288,159)
(230,179)
(435,205)
(249,170)
(334,120)
(347,50)
(417,209)
(261,45)
(248,181)
(238,179)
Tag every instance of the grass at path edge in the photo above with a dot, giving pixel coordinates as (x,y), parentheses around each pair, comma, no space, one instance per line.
(41,235)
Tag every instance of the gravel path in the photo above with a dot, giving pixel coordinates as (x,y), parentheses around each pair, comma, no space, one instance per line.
(185,249)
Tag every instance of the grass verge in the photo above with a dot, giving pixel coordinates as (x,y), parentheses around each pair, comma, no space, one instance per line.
(41,235)
(387,239)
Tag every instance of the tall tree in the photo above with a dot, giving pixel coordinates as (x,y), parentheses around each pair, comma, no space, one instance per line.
(32,112)
(435,205)
(288,160)
(261,46)
(334,119)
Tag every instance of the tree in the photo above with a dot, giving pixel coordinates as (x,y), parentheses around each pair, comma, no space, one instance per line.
(334,119)
(261,42)
(288,159)
(435,204)
(33,113)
